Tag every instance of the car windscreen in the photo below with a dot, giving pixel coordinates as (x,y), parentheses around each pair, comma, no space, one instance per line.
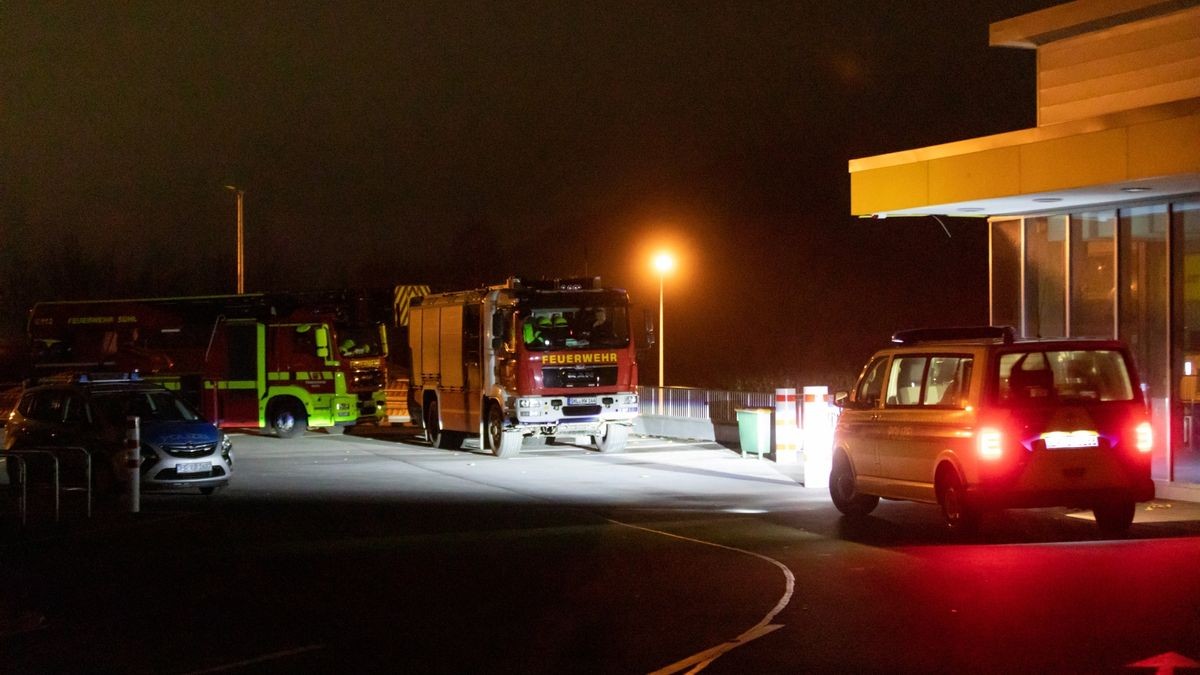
(1047,377)
(155,406)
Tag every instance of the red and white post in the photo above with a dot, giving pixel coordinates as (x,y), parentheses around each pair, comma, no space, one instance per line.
(819,418)
(133,462)
(787,436)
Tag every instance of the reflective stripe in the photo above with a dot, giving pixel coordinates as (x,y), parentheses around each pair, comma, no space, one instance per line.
(231,384)
(315,375)
(279,376)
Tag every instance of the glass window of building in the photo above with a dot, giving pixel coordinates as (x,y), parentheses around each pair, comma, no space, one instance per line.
(1144,308)
(1186,375)
(1006,273)
(1093,274)
(1045,276)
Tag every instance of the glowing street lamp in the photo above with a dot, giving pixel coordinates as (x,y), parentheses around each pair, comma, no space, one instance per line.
(241,287)
(664,263)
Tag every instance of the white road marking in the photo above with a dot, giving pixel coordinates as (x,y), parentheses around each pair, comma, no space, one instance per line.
(258,659)
(702,659)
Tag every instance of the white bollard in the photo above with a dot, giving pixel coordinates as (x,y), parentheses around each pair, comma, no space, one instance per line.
(133,462)
(787,436)
(819,418)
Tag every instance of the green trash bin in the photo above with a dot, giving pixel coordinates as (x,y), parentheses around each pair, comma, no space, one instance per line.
(754,430)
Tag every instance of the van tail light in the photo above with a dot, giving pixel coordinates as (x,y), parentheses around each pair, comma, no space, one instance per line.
(1144,435)
(991,445)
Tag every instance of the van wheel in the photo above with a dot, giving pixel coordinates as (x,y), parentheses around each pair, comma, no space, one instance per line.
(446,440)
(503,442)
(843,489)
(960,516)
(288,419)
(1114,517)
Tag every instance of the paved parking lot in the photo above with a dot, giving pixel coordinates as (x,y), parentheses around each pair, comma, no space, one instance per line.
(378,553)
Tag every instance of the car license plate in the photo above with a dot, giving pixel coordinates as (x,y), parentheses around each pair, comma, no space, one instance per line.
(582,400)
(1074,439)
(193,467)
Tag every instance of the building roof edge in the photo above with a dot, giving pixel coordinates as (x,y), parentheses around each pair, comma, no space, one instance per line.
(1028,31)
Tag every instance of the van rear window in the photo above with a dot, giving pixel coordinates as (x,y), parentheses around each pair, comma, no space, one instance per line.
(1034,378)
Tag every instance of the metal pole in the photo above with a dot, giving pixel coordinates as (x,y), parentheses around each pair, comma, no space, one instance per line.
(661,333)
(241,265)
(661,393)
(133,462)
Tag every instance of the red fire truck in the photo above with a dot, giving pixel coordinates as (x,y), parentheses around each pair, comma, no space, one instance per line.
(548,358)
(254,360)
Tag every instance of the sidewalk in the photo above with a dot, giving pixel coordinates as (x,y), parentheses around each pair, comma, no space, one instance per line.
(1158,511)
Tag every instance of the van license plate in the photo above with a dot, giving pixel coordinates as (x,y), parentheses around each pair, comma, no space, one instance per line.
(1061,439)
(193,467)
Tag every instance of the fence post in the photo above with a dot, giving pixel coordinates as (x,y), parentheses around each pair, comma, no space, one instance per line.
(22,478)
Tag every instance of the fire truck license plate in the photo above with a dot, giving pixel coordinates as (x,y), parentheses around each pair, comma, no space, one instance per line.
(582,400)
(193,467)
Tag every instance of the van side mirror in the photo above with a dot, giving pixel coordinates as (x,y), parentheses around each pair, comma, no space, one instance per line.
(841,399)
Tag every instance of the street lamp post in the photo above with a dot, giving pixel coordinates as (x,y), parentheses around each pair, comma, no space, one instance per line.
(663,262)
(241,267)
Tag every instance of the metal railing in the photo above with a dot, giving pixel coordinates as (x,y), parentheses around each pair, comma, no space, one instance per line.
(22,457)
(703,404)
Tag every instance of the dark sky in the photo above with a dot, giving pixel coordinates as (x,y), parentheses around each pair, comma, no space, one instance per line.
(455,143)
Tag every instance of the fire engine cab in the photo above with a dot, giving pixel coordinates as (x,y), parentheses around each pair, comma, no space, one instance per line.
(525,359)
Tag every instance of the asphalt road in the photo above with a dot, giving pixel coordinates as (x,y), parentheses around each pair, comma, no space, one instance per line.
(381,554)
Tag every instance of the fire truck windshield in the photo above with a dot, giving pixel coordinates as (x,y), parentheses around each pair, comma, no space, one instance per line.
(575,327)
(359,340)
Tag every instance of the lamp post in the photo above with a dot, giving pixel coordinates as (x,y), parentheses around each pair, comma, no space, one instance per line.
(241,286)
(663,262)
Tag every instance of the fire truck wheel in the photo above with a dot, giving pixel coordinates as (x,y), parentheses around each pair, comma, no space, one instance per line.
(614,439)
(288,419)
(446,440)
(503,443)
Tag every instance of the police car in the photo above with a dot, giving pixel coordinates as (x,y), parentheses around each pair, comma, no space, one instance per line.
(180,450)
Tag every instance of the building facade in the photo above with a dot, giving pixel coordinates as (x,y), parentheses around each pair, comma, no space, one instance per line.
(1094,215)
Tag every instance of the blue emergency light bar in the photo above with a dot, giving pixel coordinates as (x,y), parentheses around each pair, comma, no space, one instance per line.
(108,377)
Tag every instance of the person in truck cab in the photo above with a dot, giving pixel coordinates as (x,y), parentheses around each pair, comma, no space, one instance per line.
(351,348)
(537,332)
(601,328)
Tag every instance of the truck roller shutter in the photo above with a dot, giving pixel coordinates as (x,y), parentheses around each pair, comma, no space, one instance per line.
(451,367)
